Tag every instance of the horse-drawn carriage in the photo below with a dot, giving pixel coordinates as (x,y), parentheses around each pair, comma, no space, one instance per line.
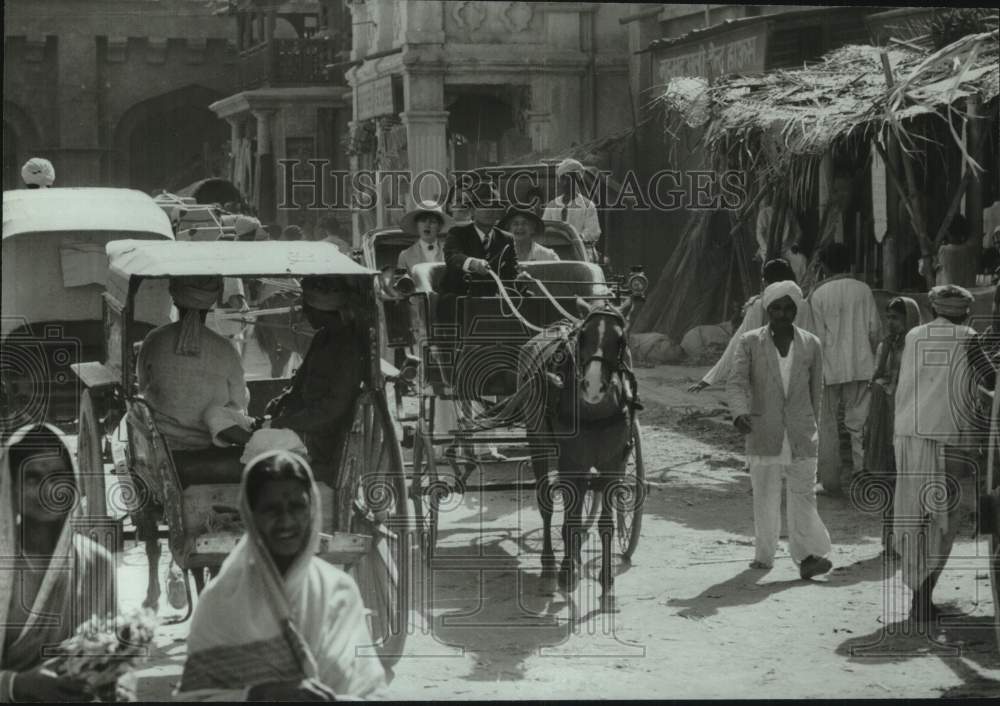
(490,351)
(365,507)
(54,270)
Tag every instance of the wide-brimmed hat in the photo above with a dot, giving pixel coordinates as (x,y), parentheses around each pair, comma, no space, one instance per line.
(527,213)
(409,222)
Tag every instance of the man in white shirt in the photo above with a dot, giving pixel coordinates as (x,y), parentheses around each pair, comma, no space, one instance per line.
(847,321)
(934,409)
(572,207)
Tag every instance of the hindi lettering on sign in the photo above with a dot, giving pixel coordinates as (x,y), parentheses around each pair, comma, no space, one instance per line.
(735,56)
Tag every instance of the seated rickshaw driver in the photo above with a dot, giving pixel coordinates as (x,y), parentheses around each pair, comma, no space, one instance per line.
(192,377)
(317,404)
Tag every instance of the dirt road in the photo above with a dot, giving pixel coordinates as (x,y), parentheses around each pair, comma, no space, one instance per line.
(693,620)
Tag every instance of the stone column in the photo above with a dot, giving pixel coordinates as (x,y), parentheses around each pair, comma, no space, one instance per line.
(235,135)
(426,120)
(264,177)
(427,149)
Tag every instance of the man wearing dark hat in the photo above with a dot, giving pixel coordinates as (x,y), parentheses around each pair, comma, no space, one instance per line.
(191,376)
(319,401)
(473,250)
(934,408)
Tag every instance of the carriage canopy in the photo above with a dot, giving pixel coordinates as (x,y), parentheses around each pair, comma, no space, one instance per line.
(137,258)
(54,262)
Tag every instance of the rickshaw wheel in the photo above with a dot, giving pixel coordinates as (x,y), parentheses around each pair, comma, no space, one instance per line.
(629,498)
(381,508)
(90,458)
(426,487)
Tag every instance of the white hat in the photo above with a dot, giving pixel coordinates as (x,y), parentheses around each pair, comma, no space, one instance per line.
(409,222)
(568,166)
(779,290)
(38,172)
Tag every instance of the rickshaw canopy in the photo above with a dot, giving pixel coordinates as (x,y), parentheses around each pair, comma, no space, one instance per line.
(140,258)
(82,209)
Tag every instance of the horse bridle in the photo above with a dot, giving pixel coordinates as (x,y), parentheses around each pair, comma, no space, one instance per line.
(621,364)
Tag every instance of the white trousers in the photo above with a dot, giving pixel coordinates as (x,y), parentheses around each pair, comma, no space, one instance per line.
(807,535)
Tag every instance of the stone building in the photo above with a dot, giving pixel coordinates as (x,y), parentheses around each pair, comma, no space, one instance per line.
(292,104)
(455,85)
(116,92)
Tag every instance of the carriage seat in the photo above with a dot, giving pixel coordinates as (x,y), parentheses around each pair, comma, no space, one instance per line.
(563,278)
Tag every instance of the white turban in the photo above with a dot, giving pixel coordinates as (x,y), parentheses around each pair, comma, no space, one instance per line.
(38,172)
(776,291)
(568,166)
(196,293)
(243,225)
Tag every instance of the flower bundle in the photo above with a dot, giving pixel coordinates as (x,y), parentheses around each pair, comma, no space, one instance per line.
(102,651)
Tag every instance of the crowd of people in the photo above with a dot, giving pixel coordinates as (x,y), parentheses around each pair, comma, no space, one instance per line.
(802,373)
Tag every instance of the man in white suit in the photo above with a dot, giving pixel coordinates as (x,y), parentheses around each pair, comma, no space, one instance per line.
(775,392)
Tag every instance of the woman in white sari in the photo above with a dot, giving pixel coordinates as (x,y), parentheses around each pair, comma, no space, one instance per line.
(53,579)
(278,623)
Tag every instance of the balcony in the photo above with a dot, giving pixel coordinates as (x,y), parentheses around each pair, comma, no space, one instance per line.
(290,62)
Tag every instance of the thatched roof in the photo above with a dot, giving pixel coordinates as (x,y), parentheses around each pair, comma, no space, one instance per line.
(797,115)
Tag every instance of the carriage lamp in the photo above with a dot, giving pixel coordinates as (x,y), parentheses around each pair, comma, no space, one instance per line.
(408,370)
(637,283)
(396,283)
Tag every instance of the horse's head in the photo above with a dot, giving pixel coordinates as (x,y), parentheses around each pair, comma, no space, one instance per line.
(601,350)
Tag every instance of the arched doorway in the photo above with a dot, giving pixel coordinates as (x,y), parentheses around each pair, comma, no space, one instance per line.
(20,140)
(483,126)
(11,169)
(170,141)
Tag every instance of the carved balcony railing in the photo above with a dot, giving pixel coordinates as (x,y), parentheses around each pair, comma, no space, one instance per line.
(290,62)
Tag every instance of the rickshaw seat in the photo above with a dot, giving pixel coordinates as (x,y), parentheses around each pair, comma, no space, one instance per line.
(208,466)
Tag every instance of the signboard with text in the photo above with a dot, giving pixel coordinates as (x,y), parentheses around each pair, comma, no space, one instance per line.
(739,51)
(375,99)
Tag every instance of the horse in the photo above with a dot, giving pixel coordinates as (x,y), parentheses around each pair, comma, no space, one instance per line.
(587,409)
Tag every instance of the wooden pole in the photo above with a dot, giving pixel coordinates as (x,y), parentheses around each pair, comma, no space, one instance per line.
(974,195)
(912,193)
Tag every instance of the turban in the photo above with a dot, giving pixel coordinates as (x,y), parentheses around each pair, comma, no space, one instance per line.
(38,172)
(950,300)
(568,166)
(193,294)
(778,290)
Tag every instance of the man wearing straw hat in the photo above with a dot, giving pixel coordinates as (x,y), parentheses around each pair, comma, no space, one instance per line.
(191,376)
(317,404)
(934,409)
(428,222)
(572,207)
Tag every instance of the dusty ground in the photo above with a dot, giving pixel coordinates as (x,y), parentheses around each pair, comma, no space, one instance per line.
(694,622)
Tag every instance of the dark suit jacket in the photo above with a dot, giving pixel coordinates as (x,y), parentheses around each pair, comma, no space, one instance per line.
(463,242)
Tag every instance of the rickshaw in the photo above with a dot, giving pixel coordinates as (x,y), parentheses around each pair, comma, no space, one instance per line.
(364,514)
(54,270)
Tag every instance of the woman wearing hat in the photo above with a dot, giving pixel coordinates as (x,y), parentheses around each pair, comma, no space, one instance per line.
(428,222)
(525,226)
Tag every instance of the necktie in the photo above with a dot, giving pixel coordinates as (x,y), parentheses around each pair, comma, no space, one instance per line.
(486,242)
(430,248)
(565,211)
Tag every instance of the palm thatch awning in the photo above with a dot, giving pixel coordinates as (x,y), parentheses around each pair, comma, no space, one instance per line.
(777,123)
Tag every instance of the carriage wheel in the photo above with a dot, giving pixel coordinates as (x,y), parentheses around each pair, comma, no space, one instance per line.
(426,486)
(90,458)
(630,497)
(381,503)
